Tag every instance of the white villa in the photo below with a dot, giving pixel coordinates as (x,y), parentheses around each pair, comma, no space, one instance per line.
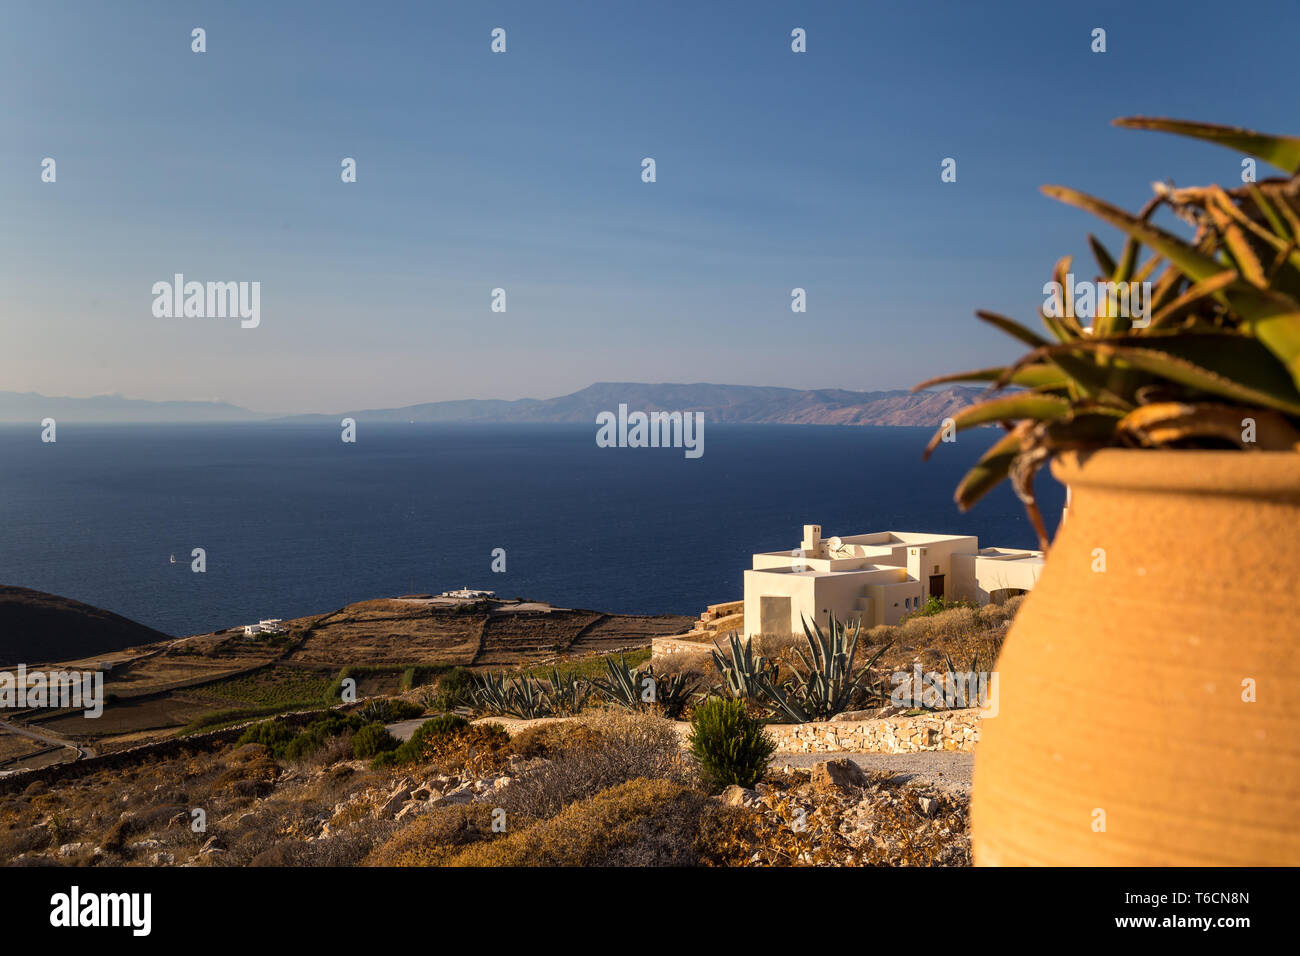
(468,592)
(877,578)
(270,625)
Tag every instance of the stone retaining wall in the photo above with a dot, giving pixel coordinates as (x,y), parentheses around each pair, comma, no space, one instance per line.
(662,646)
(942,730)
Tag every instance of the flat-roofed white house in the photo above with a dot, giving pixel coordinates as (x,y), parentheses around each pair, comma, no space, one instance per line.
(878,578)
(468,592)
(268,625)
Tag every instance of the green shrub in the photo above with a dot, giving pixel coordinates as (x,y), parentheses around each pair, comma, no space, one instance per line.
(452,690)
(373,739)
(936,604)
(440,726)
(390,711)
(271,733)
(729,745)
(284,744)
(430,732)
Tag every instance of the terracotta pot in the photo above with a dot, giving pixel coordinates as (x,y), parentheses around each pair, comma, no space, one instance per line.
(1120,691)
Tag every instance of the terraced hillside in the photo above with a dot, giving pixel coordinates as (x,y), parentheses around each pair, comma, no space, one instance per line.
(613,631)
(511,637)
(387,645)
(392,631)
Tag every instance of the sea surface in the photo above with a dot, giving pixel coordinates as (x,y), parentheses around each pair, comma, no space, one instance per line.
(294,521)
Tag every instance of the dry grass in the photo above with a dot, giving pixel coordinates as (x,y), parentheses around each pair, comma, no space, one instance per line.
(251,804)
(960,633)
(694,665)
(637,823)
(592,753)
(434,837)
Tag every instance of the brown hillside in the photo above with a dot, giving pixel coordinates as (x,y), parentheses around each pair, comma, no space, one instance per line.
(36,627)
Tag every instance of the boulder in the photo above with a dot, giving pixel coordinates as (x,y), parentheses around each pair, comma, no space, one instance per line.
(410,808)
(738,796)
(394,801)
(455,797)
(213,845)
(841,774)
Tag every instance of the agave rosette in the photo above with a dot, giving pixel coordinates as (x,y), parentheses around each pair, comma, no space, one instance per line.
(1219,344)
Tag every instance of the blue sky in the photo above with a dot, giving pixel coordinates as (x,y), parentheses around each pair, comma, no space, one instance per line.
(522,171)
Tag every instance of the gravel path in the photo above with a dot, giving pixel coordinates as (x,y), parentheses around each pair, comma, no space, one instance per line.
(403,729)
(946,768)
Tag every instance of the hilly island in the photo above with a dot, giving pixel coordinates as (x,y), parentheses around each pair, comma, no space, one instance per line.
(720,404)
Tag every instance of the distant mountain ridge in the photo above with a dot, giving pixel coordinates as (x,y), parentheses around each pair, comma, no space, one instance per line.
(32,407)
(726,404)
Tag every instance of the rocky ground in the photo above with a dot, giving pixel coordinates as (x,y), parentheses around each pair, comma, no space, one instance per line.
(608,790)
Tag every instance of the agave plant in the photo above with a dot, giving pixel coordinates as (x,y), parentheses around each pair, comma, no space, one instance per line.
(963,693)
(824,684)
(491,693)
(743,670)
(529,699)
(374,710)
(568,692)
(622,685)
(635,689)
(1213,363)
(672,693)
(513,697)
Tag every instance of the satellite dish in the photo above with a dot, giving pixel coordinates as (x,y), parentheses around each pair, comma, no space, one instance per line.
(835,543)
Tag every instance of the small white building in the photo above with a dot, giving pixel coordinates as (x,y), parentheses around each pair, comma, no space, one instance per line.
(877,578)
(468,592)
(270,625)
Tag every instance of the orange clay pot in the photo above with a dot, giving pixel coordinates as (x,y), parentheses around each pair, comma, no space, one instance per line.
(1121,691)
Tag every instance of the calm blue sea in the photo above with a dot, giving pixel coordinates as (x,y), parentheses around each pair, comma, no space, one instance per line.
(294,521)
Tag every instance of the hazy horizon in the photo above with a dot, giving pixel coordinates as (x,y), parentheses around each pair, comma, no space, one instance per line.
(8,414)
(522,170)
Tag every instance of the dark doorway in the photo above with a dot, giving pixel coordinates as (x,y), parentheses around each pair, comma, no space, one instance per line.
(936,585)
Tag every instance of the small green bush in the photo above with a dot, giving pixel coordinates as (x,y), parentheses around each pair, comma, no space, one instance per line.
(440,726)
(390,711)
(436,728)
(270,733)
(935,604)
(284,744)
(373,739)
(730,746)
(452,690)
